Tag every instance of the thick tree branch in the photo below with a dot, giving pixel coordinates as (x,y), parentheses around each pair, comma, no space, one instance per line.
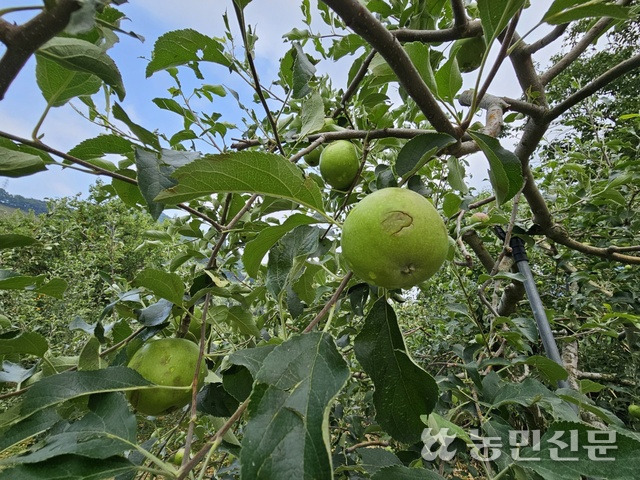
(459,13)
(472,239)
(593,86)
(505,40)
(495,107)
(22,41)
(550,37)
(526,73)
(526,108)
(470,29)
(606,377)
(601,25)
(358,18)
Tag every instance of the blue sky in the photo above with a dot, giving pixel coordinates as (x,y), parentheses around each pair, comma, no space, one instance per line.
(64,128)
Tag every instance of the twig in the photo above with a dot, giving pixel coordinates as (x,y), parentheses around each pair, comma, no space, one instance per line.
(372,443)
(468,261)
(256,79)
(191,464)
(353,86)
(347,134)
(96,170)
(329,304)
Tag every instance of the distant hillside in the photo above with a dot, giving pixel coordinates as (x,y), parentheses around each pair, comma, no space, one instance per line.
(21,203)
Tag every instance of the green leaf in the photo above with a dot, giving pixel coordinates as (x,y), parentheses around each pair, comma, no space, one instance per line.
(287,433)
(182,47)
(67,385)
(586,404)
(19,164)
(155,171)
(144,135)
(82,56)
(448,80)
(551,370)
(496,14)
(155,314)
(299,243)
(419,53)
(13,240)
(531,392)
(564,11)
(312,115)
(242,320)
(456,174)
(403,390)
(101,145)
(15,373)
(54,288)
(70,467)
(557,441)
(451,204)
(29,427)
(251,358)
(400,472)
(238,379)
(419,150)
(173,106)
(303,71)
(242,172)
(162,284)
(589,386)
(108,429)
(505,169)
(90,355)
(129,193)
(373,459)
(58,84)
(256,249)
(26,343)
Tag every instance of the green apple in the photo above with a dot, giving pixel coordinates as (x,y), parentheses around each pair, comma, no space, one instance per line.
(339,164)
(167,362)
(470,53)
(313,157)
(479,217)
(394,238)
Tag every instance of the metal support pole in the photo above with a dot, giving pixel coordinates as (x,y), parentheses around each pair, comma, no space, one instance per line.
(544,329)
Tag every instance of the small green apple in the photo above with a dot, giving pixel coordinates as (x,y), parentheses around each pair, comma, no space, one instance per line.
(634,411)
(178,456)
(339,164)
(479,217)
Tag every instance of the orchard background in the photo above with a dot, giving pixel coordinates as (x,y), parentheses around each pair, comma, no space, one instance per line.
(312,373)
